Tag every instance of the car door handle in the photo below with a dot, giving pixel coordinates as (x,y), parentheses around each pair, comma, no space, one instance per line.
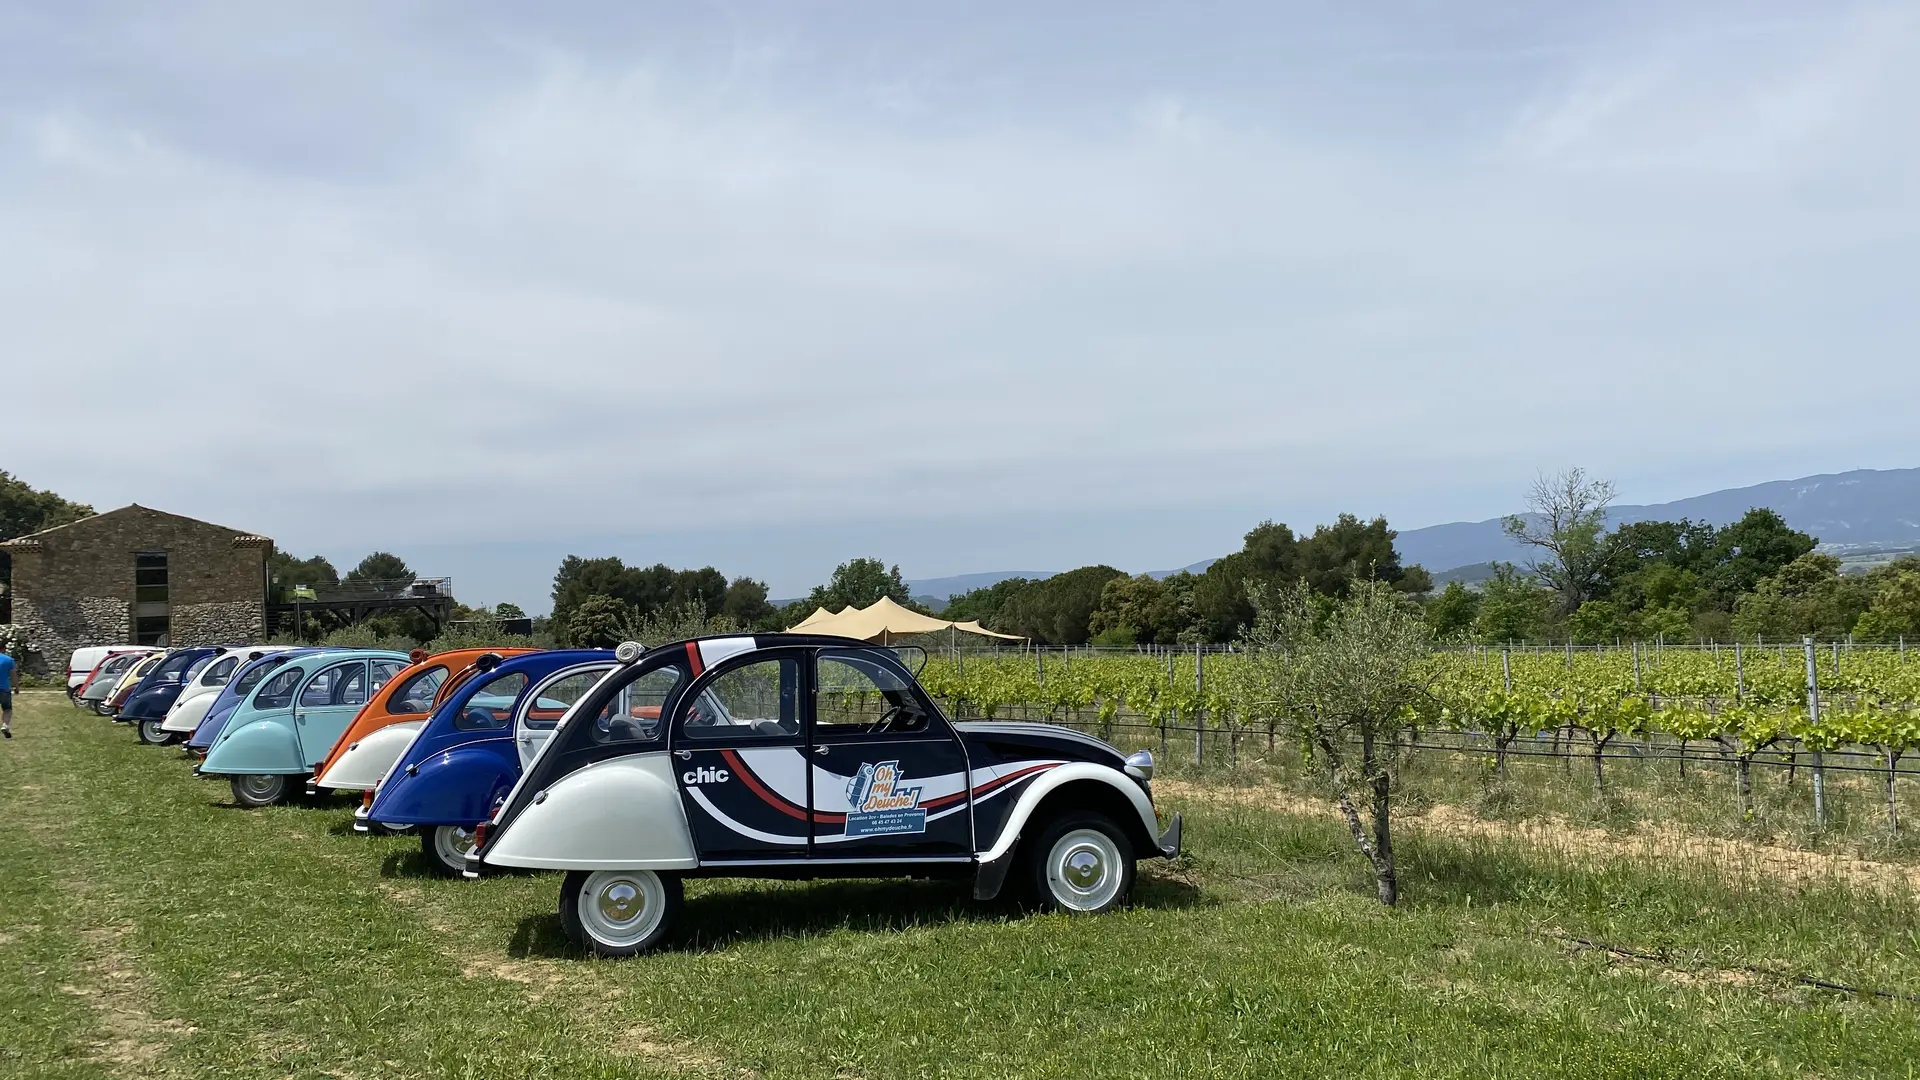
(820,749)
(684,755)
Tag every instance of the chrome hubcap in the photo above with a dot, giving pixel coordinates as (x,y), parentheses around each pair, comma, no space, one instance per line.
(1084,870)
(260,787)
(622,907)
(454,843)
(621,903)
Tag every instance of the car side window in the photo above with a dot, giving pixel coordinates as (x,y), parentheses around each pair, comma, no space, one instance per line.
(634,713)
(277,692)
(219,673)
(342,684)
(383,672)
(543,713)
(855,694)
(491,706)
(759,700)
(416,694)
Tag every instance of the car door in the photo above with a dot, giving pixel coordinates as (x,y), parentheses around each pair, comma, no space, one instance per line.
(326,704)
(890,777)
(540,711)
(739,752)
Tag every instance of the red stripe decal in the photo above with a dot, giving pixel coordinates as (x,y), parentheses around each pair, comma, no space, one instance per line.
(989,786)
(693,658)
(767,795)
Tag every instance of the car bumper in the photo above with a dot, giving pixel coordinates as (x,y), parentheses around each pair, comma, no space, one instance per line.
(1169,842)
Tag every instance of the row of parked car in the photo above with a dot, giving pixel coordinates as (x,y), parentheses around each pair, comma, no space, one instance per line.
(777,755)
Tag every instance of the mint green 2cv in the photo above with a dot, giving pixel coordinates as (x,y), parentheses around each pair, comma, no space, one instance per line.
(289,723)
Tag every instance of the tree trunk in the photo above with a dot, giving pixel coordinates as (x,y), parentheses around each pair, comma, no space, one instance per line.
(1501,740)
(1383,875)
(1746,785)
(1683,759)
(1383,872)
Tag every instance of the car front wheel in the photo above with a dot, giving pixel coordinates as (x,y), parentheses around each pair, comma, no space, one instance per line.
(153,734)
(445,847)
(1082,864)
(259,789)
(619,912)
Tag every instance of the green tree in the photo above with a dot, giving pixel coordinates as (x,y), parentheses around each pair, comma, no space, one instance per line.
(508,610)
(984,603)
(383,570)
(600,622)
(1268,556)
(1349,672)
(1806,596)
(1512,607)
(1750,550)
(1350,550)
(1058,610)
(745,604)
(1453,611)
(285,573)
(859,583)
(1564,524)
(1596,622)
(1143,610)
(1894,612)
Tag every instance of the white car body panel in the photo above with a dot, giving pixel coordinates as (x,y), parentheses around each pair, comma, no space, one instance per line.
(621,814)
(191,706)
(368,761)
(1053,778)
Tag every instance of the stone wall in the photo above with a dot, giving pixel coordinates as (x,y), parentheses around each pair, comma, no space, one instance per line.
(238,623)
(55,626)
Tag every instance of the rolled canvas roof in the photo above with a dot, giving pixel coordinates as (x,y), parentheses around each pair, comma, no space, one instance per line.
(885,620)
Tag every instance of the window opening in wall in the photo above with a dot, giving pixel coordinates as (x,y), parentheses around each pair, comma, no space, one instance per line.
(150,594)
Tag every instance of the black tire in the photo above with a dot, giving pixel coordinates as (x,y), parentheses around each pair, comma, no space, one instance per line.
(153,734)
(594,921)
(1082,863)
(444,847)
(260,789)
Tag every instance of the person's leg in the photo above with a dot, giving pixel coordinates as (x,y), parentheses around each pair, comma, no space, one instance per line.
(6,713)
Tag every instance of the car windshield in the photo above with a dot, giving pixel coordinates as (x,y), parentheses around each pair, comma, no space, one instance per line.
(117,664)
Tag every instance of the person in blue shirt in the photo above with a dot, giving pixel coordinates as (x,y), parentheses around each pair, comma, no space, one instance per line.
(6,695)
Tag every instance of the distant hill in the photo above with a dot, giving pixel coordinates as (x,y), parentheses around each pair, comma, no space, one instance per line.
(1863,510)
(946,588)
(1856,513)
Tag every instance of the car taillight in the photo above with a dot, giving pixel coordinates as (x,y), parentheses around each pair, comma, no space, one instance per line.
(366,799)
(480,832)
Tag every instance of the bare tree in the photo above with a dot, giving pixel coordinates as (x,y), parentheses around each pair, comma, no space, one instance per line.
(1566,522)
(1347,680)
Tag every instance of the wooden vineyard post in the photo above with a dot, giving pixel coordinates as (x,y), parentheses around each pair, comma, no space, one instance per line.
(1199,709)
(1739,673)
(1506,667)
(1813,720)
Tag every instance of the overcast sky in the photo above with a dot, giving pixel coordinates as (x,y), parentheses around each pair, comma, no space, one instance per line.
(969,288)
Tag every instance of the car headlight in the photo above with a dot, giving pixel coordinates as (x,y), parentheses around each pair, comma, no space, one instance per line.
(1140,765)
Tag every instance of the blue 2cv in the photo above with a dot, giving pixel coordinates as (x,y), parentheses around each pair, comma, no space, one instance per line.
(472,749)
(291,720)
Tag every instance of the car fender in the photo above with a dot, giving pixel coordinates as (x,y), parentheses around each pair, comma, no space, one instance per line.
(368,759)
(187,714)
(454,787)
(1053,779)
(621,814)
(268,745)
(149,704)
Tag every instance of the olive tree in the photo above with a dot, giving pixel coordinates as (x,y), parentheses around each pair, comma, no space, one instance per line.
(1348,672)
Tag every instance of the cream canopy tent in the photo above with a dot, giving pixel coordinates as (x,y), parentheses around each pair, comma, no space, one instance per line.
(885,620)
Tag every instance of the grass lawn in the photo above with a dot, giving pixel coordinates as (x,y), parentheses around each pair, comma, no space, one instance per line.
(149,929)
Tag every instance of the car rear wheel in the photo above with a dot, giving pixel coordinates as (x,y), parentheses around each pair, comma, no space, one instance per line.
(619,912)
(153,734)
(259,789)
(445,847)
(1081,864)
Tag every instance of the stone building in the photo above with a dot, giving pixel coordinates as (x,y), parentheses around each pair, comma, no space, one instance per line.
(137,576)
